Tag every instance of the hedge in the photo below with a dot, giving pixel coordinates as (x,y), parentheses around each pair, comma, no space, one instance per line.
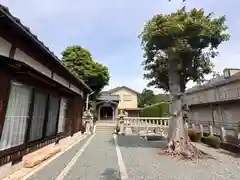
(156,110)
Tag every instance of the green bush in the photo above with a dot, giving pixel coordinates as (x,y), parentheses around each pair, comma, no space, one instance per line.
(156,110)
(212,141)
(232,139)
(194,135)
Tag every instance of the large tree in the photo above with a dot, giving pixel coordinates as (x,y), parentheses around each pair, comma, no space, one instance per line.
(147,97)
(179,47)
(79,61)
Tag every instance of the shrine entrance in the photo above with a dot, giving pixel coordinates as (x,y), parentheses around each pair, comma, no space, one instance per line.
(106,110)
(106,113)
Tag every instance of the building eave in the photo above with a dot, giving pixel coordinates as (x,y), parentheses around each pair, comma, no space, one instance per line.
(4,13)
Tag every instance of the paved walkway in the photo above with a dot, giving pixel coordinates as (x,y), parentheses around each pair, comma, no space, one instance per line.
(98,158)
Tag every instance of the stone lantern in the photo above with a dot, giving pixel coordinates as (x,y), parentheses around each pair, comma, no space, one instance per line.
(88,121)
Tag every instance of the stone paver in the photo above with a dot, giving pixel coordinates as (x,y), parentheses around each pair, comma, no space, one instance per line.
(98,161)
(51,171)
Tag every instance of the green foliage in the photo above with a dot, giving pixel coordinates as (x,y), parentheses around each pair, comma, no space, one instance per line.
(232,139)
(192,37)
(194,135)
(156,110)
(147,97)
(212,141)
(80,62)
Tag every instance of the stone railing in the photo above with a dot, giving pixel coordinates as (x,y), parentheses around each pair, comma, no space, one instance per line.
(216,129)
(160,125)
(143,124)
(160,121)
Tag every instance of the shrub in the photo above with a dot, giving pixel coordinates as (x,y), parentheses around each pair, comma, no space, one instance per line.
(212,141)
(156,110)
(232,139)
(194,135)
(230,147)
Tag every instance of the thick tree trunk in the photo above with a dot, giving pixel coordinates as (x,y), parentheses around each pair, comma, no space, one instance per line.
(178,140)
(176,128)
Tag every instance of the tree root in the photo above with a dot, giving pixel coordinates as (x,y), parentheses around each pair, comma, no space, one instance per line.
(183,148)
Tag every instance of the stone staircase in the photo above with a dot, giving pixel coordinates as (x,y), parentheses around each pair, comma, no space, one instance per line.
(105,126)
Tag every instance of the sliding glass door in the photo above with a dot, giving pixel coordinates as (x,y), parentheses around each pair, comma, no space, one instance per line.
(47,111)
(38,116)
(52,115)
(62,115)
(15,123)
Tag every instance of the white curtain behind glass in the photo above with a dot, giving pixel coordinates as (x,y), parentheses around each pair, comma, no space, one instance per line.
(52,115)
(39,108)
(15,123)
(62,115)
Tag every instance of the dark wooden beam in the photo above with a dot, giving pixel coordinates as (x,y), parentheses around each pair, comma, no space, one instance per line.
(5,89)
(12,51)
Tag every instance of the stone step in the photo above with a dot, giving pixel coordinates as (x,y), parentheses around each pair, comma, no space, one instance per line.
(103,132)
(101,121)
(105,129)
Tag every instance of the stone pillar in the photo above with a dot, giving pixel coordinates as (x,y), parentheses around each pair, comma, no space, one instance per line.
(201,129)
(223,134)
(210,130)
(121,126)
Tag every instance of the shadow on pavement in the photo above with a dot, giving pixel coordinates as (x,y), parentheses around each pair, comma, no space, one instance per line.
(134,141)
(110,174)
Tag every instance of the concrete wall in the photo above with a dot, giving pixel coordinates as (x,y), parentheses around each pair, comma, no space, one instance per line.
(128,99)
(227,115)
(225,92)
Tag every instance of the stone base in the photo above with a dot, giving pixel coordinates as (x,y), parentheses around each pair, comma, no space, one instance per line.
(30,163)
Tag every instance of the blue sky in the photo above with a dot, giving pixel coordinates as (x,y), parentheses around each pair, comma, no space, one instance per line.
(110,29)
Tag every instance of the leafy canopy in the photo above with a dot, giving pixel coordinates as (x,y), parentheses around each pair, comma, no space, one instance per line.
(194,37)
(147,97)
(79,61)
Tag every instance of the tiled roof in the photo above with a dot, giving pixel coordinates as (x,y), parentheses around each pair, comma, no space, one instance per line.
(5,11)
(220,80)
(120,87)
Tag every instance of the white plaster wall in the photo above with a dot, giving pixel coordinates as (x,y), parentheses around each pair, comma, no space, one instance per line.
(5,47)
(21,56)
(61,80)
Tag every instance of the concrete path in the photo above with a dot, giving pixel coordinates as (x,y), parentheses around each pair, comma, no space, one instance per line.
(99,158)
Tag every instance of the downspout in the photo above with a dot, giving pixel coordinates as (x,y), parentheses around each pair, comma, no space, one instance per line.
(88,100)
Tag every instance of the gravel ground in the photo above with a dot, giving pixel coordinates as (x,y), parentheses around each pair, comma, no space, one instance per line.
(142,162)
(99,162)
